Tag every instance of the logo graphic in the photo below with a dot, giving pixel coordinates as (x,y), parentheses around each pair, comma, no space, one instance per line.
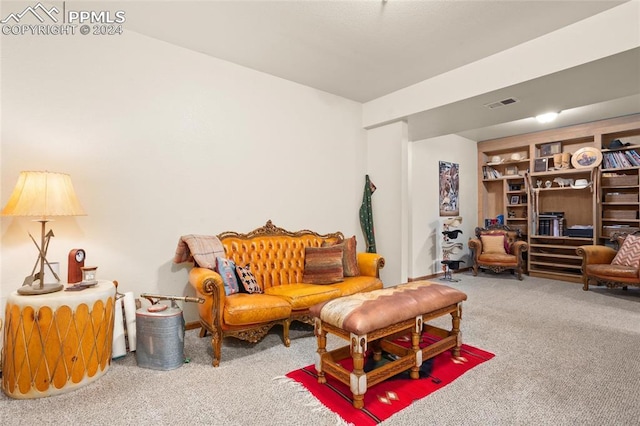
(39,20)
(33,10)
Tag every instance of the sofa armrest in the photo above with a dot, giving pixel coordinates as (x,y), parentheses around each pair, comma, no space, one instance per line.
(209,285)
(519,247)
(475,245)
(370,264)
(595,254)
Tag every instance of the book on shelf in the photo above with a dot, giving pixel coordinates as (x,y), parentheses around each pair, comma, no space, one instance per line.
(489,172)
(621,159)
(551,224)
(633,157)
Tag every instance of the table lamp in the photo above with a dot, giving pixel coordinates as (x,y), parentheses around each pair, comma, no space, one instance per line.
(43,195)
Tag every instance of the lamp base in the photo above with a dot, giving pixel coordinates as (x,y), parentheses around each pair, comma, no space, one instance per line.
(27,290)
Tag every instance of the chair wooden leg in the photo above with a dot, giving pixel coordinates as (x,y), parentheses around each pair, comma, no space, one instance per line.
(216,345)
(285,332)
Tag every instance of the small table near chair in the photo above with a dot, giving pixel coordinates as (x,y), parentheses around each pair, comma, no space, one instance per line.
(57,342)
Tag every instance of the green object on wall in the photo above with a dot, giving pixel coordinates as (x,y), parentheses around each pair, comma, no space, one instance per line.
(366,215)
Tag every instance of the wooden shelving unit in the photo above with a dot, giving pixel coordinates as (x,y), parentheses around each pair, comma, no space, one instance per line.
(539,191)
(555,257)
(619,184)
(517,201)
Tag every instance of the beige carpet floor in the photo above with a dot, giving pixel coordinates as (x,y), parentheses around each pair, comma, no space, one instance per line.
(563,357)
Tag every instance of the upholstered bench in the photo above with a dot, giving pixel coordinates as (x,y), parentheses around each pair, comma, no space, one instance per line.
(377,318)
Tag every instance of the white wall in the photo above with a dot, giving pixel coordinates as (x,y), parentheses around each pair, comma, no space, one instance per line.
(160,142)
(425,156)
(387,168)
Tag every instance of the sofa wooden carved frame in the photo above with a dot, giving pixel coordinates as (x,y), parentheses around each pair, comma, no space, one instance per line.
(255,332)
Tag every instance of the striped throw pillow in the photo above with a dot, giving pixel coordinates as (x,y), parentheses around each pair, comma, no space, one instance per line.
(349,256)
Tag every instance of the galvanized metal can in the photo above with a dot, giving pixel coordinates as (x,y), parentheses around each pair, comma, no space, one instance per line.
(160,337)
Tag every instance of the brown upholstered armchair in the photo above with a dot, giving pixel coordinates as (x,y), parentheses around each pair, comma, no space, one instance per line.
(617,266)
(498,248)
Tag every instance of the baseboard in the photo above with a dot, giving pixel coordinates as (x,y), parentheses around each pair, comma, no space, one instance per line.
(192,325)
(439,274)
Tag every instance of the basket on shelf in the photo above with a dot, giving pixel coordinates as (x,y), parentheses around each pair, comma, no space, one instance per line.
(620,198)
(620,214)
(619,180)
(607,231)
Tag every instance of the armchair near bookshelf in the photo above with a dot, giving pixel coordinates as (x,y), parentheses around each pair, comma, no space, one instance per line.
(615,266)
(498,248)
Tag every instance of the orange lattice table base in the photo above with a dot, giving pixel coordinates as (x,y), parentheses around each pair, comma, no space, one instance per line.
(57,342)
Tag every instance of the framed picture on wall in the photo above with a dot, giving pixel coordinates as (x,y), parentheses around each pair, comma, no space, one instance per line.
(548,149)
(540,165)
(449,189)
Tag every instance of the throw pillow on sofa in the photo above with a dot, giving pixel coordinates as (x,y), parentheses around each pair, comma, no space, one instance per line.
(227,270)
(493,243)
(629,254)
(349,256)
(323,265)
(247,279)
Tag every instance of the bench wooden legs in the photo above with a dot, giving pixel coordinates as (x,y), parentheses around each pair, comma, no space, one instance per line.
(416,336)
(358,377)
(321,337)
(456,316)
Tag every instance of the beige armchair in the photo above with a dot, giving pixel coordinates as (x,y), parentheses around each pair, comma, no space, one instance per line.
(617,266)
(498,248)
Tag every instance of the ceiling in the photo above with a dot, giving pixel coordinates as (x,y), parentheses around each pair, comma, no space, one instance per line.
(364,49)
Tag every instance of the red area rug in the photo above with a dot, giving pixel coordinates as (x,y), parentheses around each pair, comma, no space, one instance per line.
(387,398)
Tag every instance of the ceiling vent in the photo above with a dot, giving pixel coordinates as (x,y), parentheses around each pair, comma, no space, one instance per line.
(501,103)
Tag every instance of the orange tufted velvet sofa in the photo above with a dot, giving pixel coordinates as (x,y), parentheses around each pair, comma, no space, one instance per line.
(277,262)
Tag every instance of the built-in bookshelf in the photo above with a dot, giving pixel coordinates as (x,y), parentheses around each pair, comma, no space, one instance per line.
(529,180)
(619,184)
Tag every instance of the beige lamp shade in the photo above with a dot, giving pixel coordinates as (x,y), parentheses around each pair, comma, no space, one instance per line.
(43,195)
